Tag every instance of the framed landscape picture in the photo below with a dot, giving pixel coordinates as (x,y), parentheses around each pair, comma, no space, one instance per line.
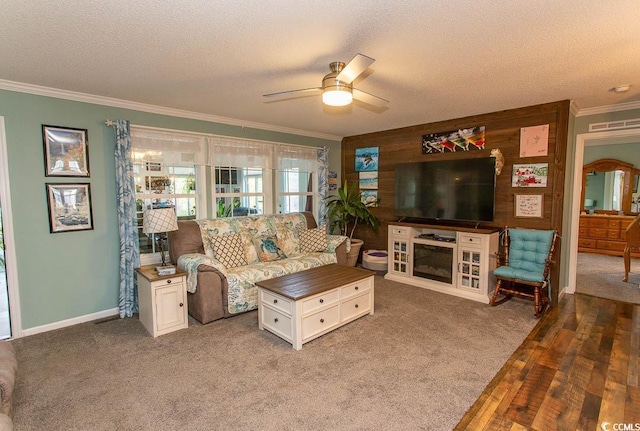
(69,207)
(369,180)
(367,159)
(66,152)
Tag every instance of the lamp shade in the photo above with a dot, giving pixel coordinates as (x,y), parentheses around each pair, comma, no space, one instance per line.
(337,97)
(159,220)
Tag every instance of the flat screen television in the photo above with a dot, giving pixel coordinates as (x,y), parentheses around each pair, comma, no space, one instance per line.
(455,190)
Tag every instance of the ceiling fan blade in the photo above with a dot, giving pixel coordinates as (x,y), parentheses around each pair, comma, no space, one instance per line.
(291,93)
(365,97)
(356,66)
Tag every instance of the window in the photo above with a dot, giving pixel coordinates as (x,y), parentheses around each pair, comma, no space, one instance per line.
(240,191)
(296,188)
(295,191)
(167,175)
(204,176)
(165,186)
(243,176)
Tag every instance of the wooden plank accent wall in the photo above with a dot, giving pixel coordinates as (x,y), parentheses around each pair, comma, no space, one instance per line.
(503,132)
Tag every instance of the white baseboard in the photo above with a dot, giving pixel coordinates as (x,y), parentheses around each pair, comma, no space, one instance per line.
(70,322)
(563,291)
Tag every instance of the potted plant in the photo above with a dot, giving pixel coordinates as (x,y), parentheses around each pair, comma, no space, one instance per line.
(346,210)
(226,210)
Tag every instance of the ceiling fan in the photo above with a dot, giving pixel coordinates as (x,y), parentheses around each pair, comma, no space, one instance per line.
(337,88)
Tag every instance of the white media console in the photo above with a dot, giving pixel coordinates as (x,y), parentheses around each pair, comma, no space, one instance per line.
(453,260)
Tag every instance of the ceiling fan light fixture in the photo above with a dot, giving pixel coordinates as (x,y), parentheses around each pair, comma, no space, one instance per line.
(337,85)
(336,96)
(334,91)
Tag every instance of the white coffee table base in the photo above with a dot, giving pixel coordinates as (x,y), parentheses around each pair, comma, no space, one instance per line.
(301,319)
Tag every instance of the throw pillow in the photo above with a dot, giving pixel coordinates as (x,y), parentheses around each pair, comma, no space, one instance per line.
(312,240)
(228,250)
(268,249)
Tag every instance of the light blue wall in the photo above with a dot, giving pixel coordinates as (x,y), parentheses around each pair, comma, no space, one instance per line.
(629,153)
(67,275)
(595,191)
(580,125)
(582,122)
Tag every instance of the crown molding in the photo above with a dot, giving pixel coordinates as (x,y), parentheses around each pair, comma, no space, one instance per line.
(608,108)
(152,109)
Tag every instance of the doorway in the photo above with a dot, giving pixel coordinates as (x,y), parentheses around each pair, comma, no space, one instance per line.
(616,290)
(5,318)
(10,326)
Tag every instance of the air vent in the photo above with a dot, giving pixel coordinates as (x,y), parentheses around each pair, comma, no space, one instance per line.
(613,125)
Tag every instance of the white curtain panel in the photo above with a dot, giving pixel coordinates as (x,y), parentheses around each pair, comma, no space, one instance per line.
(173,148)
(288,157)
(243,153)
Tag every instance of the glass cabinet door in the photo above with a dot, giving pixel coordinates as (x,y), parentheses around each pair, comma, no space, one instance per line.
(470,269)
(400,257)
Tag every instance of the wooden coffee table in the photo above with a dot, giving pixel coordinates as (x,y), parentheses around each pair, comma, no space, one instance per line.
(302,306)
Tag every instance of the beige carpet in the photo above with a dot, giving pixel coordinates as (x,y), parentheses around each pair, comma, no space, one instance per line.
(417,364)
(601,275)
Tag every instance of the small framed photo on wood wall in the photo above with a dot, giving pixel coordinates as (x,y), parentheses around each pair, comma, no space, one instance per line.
(530,206)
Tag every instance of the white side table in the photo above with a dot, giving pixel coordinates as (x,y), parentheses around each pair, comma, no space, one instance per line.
(162,300)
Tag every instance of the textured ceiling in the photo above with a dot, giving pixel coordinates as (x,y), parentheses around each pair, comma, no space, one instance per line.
(435,60)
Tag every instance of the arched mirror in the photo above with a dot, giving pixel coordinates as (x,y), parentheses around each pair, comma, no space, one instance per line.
(610,186)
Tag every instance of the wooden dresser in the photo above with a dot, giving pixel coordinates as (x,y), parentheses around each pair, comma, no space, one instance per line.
(604,234)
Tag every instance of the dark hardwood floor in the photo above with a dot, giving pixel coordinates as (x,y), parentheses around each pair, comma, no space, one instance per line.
(579,368)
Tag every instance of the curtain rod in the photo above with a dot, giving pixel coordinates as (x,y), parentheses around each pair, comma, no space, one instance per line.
(111,123)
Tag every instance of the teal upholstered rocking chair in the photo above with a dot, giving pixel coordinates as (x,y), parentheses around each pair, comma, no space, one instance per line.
(524,267)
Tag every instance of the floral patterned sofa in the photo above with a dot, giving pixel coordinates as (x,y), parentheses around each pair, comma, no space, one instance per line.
(8,369)
(224,257)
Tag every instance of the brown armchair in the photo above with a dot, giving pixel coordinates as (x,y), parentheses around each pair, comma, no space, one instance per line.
(632,237)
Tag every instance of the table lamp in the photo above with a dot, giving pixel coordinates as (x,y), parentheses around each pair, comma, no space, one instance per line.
(159,221)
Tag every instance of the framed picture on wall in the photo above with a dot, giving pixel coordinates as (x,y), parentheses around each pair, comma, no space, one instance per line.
(534,141)
(69,207)
(472,138)
(367,159)
(153,166)
(530,206)
(66,152)
(530,175)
